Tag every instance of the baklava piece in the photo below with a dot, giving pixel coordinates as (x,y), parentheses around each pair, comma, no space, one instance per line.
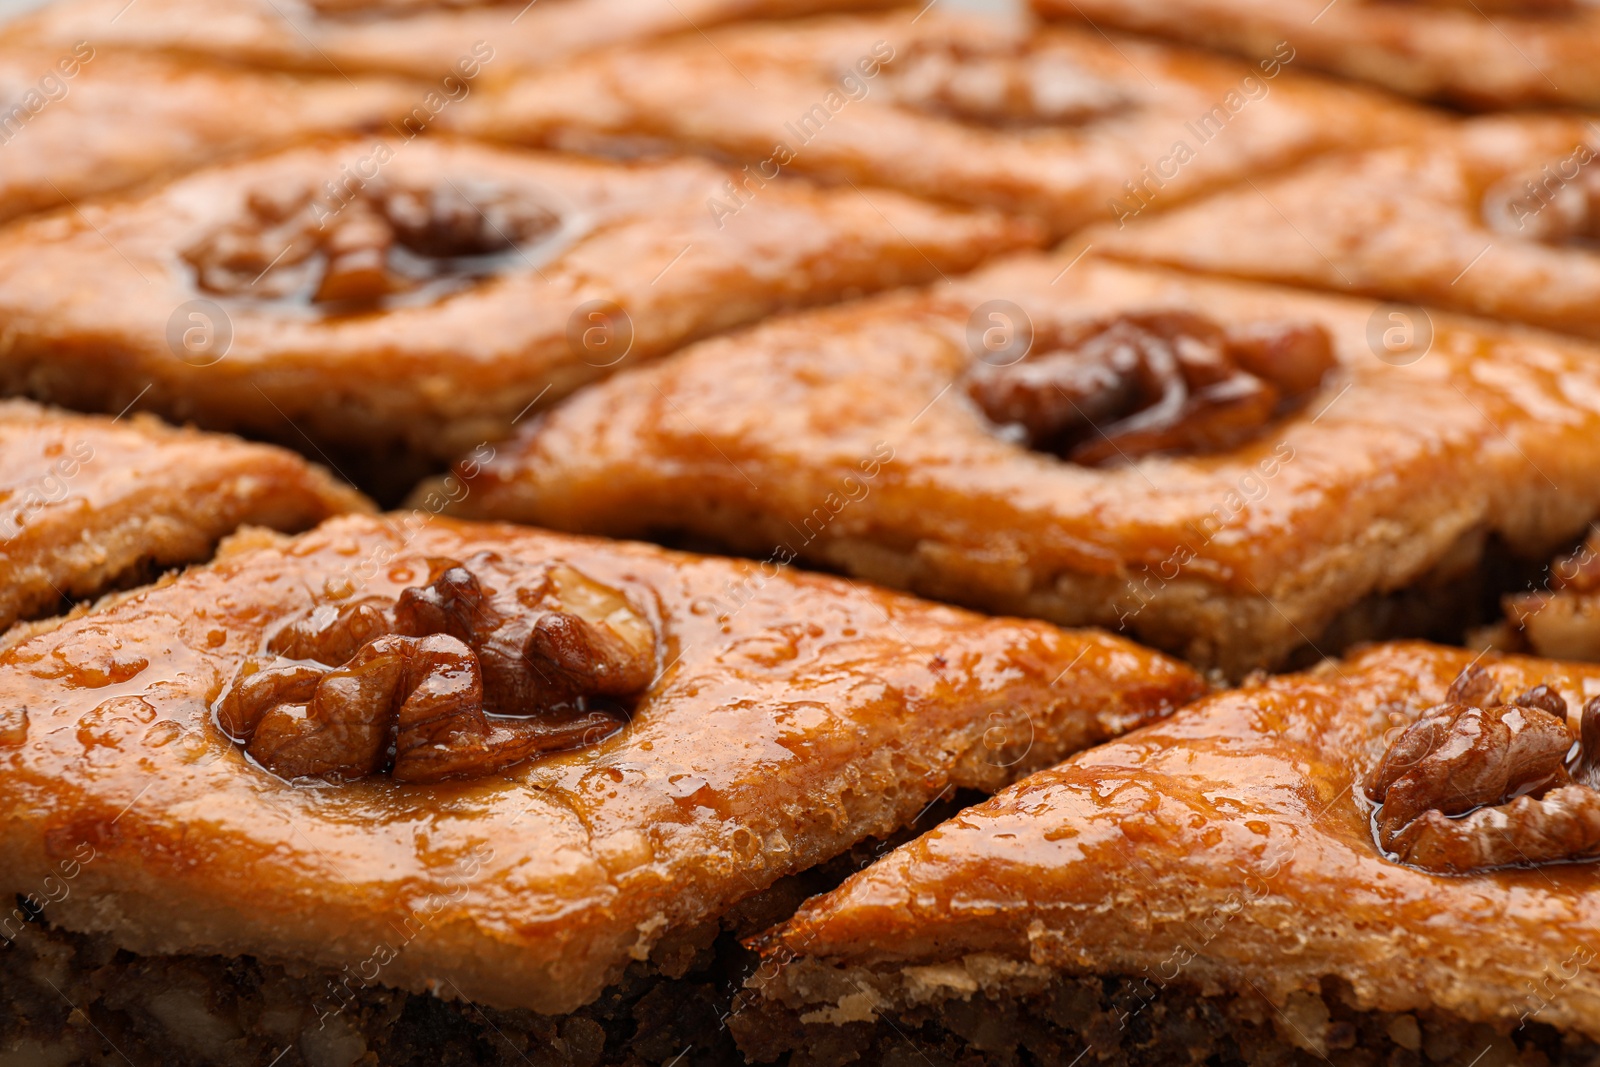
(89,504)
(78,120)
(1226,471)
(1498,216)
(402,303)
(450,40)
(1383,861)
(1487,54)
(501,765)
(1060,125)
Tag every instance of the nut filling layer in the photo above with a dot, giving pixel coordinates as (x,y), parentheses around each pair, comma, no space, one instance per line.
(1147,382)
(381,245)
(1477,783)
(454,679)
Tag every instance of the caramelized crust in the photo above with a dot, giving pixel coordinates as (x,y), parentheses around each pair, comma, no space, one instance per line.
(844,437)
(790,716)
(88,502)
(1497,217)
(1477,53)
(79,121)
(1228,848)
(393,299)
(1050,124)
(426,38)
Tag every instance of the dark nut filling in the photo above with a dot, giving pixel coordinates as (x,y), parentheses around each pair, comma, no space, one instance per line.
(1009,85)
(1164,381)
(1476,783)
(383,242)
(451,680)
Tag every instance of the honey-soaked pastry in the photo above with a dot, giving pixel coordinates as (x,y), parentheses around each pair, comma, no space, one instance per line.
(452,40)
(79,120)
(506,762)
(403,303)
(1487,54)
(1497,216)
(88,503)
(1061,125)
(1226,471)
(1381,858)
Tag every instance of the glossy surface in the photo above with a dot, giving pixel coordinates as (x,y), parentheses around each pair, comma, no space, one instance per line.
(429,40)
(86,502)
(97,303)
(962,109)
(1405,224)
(80,121)
(1228,848)
(1468,54)
(843,437)
(792,715)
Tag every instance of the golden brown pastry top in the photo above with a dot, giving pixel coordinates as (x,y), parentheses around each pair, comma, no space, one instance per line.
(417,296)
(87,502)
(787,716)
(80,119)
(1049,123)
(846,435)
(423,38)
(1496,216)
(1232,846)
(1487,54)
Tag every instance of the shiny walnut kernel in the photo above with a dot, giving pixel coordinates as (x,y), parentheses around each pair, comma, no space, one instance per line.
(1476,783)
(1141,383)
(454,679)
(384,241)
(1004,85)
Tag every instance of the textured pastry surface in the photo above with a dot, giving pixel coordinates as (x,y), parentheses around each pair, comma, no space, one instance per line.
(425,38)
(791,716)
(1229,847)
(845,436)
(78,121)
(1485,55)
(86,501)
(471,282)
(1491,217)
(1051,124)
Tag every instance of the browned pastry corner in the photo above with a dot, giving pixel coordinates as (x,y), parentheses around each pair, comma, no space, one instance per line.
(1486,54)
(500,764)
(1059,124)
(87,503)
(81,120)
(1495,216)
(423,38)
(1382,856)
(398,303)
(1227,471)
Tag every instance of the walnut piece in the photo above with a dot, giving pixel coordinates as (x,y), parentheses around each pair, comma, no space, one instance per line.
(381,240)
(452,680)
(1476,784)
(1163,381)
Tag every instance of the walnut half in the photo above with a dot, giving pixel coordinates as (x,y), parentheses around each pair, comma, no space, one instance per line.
(1476,784)
(454,679)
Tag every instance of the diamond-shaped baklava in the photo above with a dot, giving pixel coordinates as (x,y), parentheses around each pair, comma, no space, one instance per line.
(1496,216)
(89,503)
(1386,860)
(1481,53)
(497,763)
(1228,471)
(401,302)
(77,121)
(1061,125)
